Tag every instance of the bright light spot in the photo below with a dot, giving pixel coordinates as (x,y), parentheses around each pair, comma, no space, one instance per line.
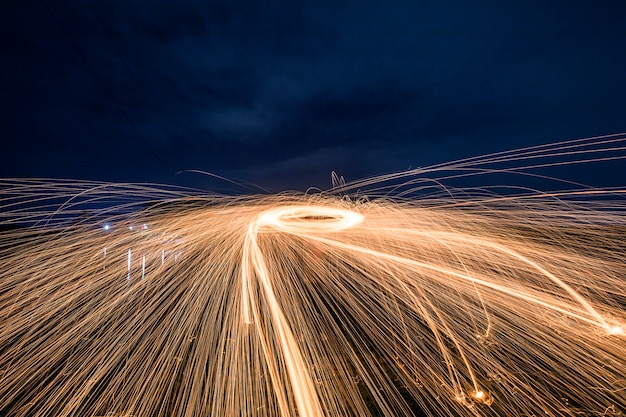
(304,219)
(130,228)
(145,226)
(106,227)
(616,330)
(482,397)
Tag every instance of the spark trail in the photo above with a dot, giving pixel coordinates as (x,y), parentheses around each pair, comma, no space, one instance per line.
(455,303)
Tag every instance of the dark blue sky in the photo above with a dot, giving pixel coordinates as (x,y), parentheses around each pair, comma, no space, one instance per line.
(283,93)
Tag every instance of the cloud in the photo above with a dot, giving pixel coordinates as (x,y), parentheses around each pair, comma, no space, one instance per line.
(236,86)
(239,124)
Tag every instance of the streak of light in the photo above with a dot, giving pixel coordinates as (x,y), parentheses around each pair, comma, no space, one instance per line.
(349,304)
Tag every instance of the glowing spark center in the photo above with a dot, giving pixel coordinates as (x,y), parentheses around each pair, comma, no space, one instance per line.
(309,219)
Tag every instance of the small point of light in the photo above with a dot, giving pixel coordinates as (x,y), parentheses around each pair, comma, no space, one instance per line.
(145,226)
(130,228)
(106,227)
(482,397)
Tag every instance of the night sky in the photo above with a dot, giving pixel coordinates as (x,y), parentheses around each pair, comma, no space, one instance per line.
(282,93)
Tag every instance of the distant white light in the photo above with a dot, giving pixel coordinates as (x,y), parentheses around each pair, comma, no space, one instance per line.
(130,228)
(106,227)
(145,226)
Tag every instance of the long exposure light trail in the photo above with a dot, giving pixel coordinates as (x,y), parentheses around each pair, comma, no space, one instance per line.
(291,220)
(403,301)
